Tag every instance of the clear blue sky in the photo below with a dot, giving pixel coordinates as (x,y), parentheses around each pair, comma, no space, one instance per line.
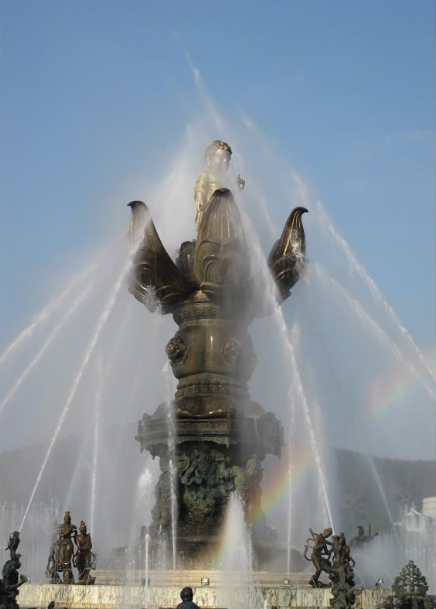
(95,91)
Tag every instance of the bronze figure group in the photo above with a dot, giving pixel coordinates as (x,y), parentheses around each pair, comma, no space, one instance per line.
(62,557)
(333,557)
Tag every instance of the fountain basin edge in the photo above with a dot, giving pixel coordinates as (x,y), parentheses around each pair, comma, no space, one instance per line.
(113,597)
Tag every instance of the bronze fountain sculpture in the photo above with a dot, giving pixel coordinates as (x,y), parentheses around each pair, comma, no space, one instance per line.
(84,558)
(220,434)
(334,558)
(51,570)
(62,554)
(341,574)
(361,539)
(65,549)
(11,580)
(322,549)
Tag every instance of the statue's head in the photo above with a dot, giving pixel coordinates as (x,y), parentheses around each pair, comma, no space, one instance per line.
(14,538)
(218,156)
(327,532)
(360,530)
(67,518)
(82,527)
(187,594)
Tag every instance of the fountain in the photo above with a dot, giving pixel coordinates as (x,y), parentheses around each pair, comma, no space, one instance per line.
(212,440)
(221,435)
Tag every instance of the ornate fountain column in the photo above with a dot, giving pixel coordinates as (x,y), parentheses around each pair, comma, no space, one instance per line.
(220,435)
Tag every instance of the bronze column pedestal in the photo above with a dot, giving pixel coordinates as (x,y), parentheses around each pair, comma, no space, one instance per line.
(212,438)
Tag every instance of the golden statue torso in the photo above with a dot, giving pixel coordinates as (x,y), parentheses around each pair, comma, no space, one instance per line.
(83,542)
(205,186)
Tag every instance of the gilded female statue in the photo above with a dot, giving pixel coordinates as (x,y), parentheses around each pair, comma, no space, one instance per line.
(217,157)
